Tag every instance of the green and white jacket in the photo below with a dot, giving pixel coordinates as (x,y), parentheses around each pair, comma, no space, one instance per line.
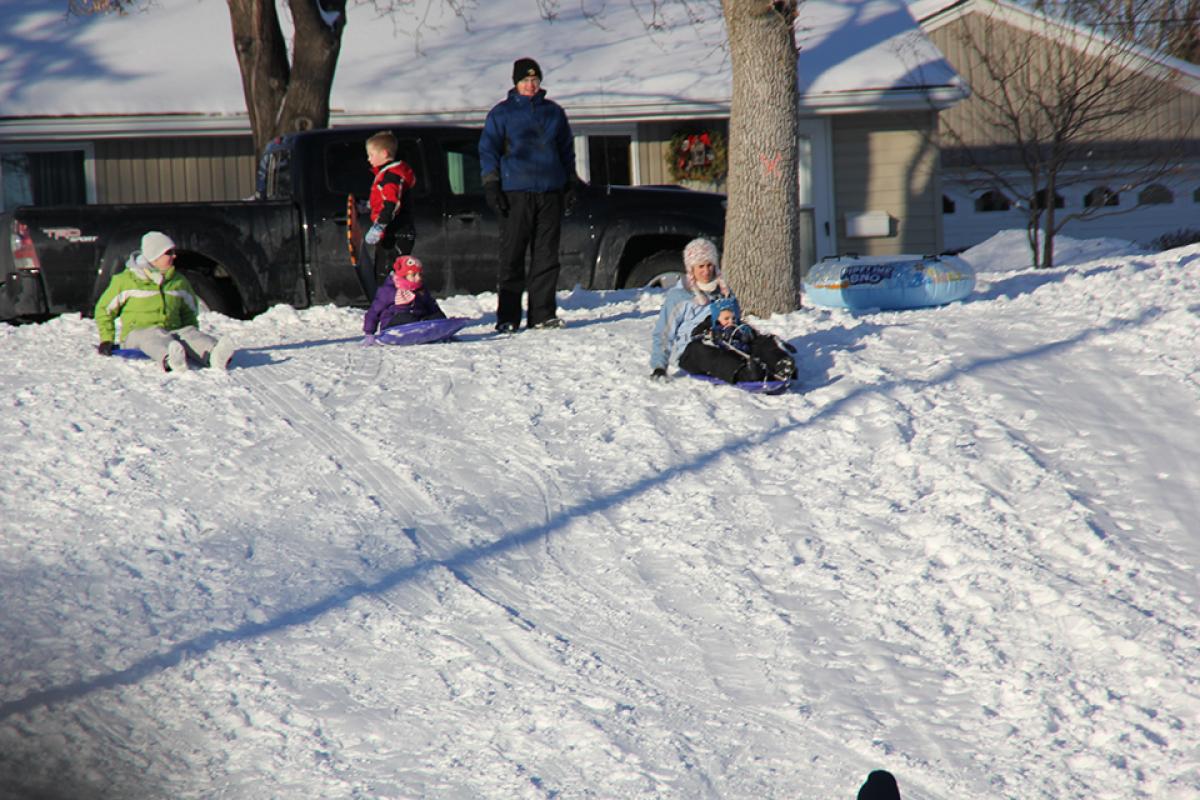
(141,296)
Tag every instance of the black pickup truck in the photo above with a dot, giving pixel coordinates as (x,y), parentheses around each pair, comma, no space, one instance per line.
(288,244)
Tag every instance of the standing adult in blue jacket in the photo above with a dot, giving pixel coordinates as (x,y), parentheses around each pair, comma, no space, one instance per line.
(527,158)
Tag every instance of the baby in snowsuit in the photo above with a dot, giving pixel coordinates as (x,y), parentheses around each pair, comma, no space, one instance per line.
(725,347)
(401,300)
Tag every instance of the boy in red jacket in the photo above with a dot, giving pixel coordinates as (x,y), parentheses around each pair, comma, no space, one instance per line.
(392,232)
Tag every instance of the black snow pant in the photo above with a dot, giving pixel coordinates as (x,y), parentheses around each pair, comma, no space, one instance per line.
(533,226)
(732,366)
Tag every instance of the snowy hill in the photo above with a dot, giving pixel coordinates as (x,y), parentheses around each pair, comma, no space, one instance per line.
(965,552)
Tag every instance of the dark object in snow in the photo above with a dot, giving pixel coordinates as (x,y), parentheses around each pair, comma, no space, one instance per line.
(880,785)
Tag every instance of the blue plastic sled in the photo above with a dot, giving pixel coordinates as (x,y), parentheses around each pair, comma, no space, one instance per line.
(754,387)
(129,352)
(888,282)
(425,331)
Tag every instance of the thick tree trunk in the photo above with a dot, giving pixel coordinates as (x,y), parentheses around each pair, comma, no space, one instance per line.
(283,97)
(762,242)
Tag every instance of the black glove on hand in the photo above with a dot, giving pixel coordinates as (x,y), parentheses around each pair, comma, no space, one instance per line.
(571,194)
(495,198)
(659,374)
(104,348)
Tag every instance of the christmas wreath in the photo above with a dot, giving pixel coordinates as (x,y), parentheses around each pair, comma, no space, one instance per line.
(698,156)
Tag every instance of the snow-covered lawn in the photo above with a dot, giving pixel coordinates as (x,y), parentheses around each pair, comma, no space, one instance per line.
(965,550)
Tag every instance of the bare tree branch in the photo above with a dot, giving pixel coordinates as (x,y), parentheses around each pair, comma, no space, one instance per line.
(1055,106)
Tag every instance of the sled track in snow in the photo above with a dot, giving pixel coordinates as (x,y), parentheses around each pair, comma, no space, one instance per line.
(579,658)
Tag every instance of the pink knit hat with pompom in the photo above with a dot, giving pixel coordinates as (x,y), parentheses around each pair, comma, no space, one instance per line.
(700,251)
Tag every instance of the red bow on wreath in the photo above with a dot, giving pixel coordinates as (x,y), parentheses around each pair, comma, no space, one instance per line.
(695,152)
(697,156)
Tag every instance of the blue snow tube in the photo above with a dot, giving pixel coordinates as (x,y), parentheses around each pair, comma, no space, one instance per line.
(888,282)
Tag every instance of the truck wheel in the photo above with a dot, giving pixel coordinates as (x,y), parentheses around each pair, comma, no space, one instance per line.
(213,295)
(661,270)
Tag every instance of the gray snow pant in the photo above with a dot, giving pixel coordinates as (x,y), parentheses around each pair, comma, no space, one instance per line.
(155,341)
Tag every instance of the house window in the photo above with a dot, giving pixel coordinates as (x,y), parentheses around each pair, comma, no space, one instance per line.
(947,205)
(1155,195)
(1039,200)
(1101,196)
(43,177)
(608,158)
(992,200)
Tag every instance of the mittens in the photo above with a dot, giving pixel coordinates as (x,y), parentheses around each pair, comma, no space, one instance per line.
(374,234)
(495,198)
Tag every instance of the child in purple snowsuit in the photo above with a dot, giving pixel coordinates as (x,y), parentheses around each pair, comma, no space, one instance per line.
(401,300)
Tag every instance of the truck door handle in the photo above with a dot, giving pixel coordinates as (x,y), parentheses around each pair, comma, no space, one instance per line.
(467,217)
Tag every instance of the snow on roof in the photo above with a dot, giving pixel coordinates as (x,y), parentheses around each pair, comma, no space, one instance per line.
(176,58)
(933,14)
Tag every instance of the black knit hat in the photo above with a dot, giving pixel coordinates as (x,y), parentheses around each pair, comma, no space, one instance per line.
(880,785)
(525,67)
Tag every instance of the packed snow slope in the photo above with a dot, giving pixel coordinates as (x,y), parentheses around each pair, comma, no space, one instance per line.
(964,549)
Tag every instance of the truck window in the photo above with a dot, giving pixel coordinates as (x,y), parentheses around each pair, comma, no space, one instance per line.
(347,170)
(462,166)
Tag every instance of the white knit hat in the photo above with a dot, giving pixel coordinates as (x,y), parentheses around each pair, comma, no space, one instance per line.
(700,251)
(154,244)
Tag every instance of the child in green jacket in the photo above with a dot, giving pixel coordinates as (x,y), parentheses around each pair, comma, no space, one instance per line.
(157,307)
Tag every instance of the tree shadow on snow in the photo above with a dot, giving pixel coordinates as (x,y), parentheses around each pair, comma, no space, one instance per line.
(460,563)
(814,354)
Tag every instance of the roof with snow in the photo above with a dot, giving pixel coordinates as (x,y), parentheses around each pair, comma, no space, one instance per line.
(172,66)
(933,14)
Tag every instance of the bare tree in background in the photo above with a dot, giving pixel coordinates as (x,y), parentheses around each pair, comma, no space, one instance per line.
(1171,27)
(1056,106)
(286,85)
(82,8)
(285,95)
(285,91)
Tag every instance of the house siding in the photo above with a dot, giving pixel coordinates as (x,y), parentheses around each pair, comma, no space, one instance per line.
(183,169)
(1178,117)
(1171,129)
(888,162)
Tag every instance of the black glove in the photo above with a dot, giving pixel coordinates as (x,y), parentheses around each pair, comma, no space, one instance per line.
(104,348)
(660,373)
(495,198)
(571,194)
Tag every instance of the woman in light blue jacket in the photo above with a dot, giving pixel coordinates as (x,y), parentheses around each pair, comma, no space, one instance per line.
(685,304)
